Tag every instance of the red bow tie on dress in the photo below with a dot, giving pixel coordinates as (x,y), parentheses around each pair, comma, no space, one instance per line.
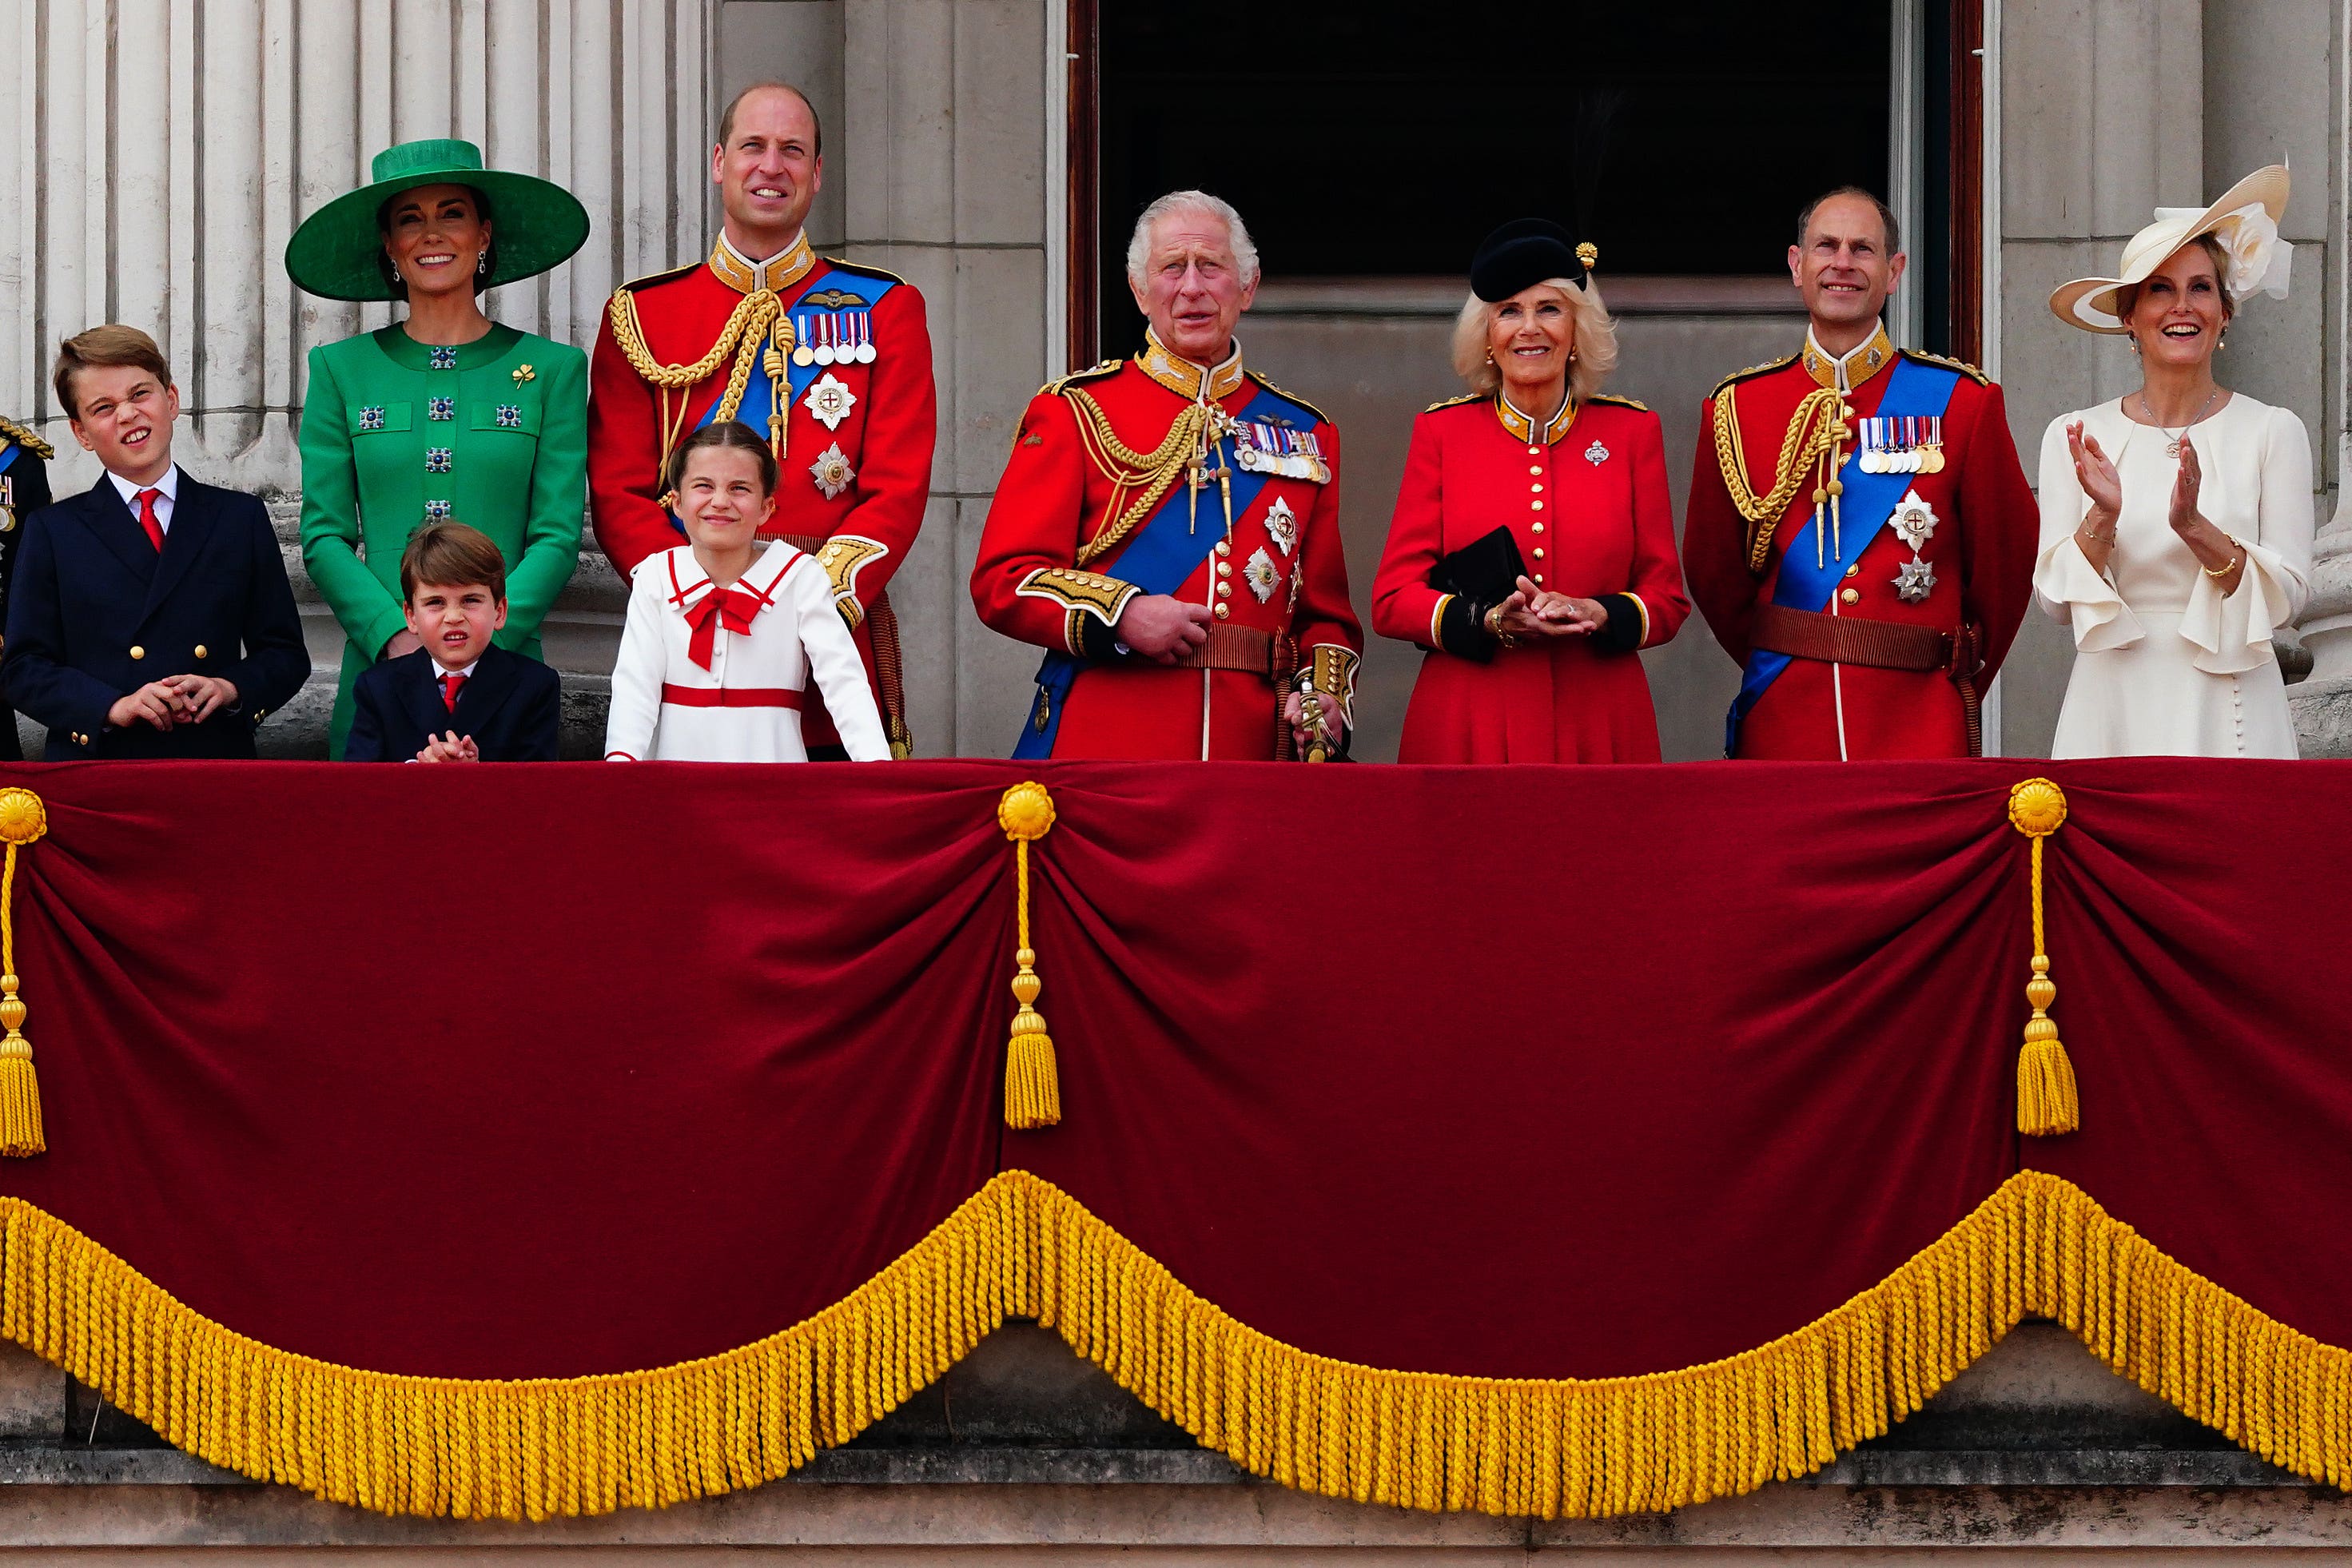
(732,606)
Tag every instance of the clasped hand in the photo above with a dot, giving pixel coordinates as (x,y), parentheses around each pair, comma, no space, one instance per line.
(181,699)
(1531,612)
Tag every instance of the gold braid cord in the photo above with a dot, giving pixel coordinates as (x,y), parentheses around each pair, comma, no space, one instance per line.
(2047,1102)
(1155,472)
(538,1448)
(746,326)
(1813,430)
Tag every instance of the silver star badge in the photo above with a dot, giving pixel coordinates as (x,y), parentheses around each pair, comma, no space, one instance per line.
(1914,580)
(830,401)
(1261,576)
(1596,453)
(832,471)
(1913,521)
(1282,523)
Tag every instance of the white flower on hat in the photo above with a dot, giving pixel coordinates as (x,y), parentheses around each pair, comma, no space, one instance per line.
(2259,259)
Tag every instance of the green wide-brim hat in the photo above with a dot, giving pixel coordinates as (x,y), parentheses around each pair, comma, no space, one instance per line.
(534,224)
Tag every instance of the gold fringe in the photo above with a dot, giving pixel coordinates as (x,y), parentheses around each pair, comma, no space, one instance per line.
(23,820)
(2047,1103)
(2038,1247)
(1032,1086)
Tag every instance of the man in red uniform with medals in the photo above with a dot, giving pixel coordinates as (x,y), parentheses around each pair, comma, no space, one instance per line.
(1860,536)
(1168,529)
(832,361)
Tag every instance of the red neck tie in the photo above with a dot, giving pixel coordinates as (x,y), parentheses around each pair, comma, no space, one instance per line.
(733,605)
(450,684)
(147,519)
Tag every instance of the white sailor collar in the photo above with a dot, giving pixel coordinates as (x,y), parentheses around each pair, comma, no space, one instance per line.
(690,583)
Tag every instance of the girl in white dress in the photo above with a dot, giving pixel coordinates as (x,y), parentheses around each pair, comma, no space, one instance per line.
(723,633)
(2177,520)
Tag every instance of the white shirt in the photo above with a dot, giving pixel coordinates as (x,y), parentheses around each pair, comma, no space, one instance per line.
(168,487)
(442,672)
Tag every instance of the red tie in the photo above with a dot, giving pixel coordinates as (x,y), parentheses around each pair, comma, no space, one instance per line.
(449,686)
(733,605)
(147,519)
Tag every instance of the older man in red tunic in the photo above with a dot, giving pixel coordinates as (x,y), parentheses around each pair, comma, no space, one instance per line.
(1168,530)
(1860,536)
(832,361)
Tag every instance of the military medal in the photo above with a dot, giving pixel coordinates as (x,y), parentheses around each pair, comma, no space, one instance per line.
(865,355)
(832,471)
(824,325)
(1282,526)
(1260,574)
(830,401)
(803,355)
(1913,521)
(1914,580)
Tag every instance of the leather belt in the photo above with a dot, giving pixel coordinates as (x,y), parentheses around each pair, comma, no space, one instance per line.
(1880,645)
(1851,640)
(1243,648)
(729,696)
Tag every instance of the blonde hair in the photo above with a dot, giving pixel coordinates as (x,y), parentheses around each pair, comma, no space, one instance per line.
(1595,342)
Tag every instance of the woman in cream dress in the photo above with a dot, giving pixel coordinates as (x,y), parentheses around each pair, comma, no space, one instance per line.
(2177,520)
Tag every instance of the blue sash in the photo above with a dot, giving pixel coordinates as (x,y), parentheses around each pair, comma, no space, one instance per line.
(9,451)
(759,393)
(1158,558)
(1913,390)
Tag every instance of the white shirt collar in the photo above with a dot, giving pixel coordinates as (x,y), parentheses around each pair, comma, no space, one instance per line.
(442,671)
(169,485)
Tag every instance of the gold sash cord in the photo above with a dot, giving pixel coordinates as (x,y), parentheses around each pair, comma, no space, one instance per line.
(2038,1247)
(759,315)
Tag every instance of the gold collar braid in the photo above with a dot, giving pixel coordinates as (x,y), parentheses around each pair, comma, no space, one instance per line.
(1183,377)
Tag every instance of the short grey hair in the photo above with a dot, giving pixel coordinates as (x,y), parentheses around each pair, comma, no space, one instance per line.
(1595,343)
(1138,245)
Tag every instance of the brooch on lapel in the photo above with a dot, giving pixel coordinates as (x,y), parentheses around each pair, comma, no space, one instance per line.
(523,373)
(1596,453)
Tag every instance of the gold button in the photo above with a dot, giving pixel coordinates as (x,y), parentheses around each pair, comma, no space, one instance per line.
(138,652)
(1536,526)
(1224,568)
(1536,505)
(1536,487)
(1539,551)
(1535,467)
(1225,547)
(1535,451)
(1539,579)
(1852,596)
(1854,569)
(1223,610)
(1225,590)
(200,650)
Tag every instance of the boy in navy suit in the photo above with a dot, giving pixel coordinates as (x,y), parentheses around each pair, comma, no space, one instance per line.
(150,616)
(460,697)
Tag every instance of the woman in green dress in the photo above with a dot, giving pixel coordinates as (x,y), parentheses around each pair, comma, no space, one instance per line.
(447,415)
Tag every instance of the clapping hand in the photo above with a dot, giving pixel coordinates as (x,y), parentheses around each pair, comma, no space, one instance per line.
(2096,474)
(2185,519)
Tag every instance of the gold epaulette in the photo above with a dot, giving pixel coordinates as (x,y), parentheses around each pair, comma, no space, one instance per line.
(1755,370)
(1458,402)
(882,272)
(11,431)
(1634,403)
(1294,397)
(1971,372)
(1092,372)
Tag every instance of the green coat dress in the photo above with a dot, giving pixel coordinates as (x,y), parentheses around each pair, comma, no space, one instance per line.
(395,434)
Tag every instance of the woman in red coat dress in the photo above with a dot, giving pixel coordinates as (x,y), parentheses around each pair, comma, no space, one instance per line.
(1533,660)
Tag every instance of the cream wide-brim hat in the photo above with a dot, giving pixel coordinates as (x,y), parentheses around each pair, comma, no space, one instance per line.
(2245,221)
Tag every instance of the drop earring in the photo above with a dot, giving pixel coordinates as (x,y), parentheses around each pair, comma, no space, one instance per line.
(482,265)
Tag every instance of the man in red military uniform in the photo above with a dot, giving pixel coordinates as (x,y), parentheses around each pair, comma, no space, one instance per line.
(1860,536)
(832,361)
(1168,530)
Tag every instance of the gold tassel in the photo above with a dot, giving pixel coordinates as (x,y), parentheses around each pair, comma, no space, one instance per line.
(2047,1103)
(1033,1089)
(22,819)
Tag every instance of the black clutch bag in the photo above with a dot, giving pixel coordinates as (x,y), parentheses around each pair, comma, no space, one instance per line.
(1485,571)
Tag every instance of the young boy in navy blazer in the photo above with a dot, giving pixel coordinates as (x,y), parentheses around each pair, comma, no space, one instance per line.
(460,697)
(150,615)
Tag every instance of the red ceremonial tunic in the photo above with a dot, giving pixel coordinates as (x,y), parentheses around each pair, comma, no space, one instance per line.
(1587,503)
(860,482)
(1056,497)
(1981,553)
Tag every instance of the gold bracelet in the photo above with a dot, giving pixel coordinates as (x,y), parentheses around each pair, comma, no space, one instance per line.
(1492,621)
(2231,566)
